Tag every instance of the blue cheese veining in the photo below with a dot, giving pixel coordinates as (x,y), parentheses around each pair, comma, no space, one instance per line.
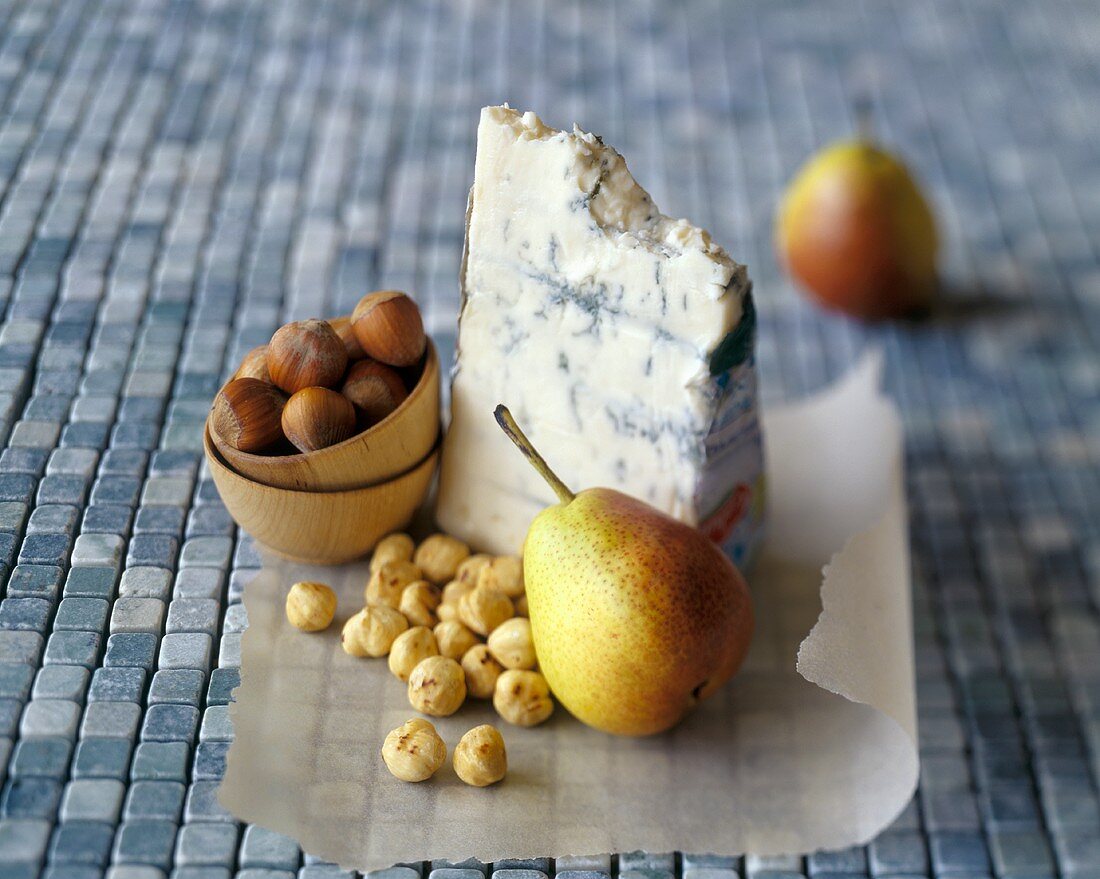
(620,338)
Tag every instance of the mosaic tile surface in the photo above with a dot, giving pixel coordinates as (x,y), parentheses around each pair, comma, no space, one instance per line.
(179,178)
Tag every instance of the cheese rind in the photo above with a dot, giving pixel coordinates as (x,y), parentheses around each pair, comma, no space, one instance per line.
(620,338)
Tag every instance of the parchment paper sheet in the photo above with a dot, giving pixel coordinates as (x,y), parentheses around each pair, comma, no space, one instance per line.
(786,759)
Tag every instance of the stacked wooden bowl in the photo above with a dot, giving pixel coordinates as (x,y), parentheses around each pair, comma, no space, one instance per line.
(333,504)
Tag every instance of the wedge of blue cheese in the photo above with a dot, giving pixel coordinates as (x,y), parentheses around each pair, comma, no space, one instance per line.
(620,338)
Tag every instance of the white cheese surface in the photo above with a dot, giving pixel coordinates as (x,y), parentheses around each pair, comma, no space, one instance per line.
(594,318)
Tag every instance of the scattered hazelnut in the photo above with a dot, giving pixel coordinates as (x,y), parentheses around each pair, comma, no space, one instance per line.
(409,648)
(388,326)
(521,606)
(480,758)
(306,354)
(484,609)
(453,591)
(414,751)
(418,603)
(437,686)
(254,365)
(247,414)
(511,644)
(481,671)
(504,573)
(396,547)
(372,631)
(388,582)
(375,388)
(454,639)
(439,556)
(315,418)
(342,327)
(469,568)
(310,606)
(522,697)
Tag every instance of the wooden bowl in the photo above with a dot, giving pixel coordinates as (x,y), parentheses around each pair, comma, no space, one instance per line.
(399,441)
(321,527)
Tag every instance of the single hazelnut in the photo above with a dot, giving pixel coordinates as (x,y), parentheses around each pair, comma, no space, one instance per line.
(375,388)
(469,568)
(523,697)
(418,603)
(504,573)
(316,418)
(511,644)
(310,606)
(521,606)
(247,414)
(480,757)
(388,582)
(342,327)
(254,365)
(372,631)
(454,639)
(388,326)
(414,751)
(439,557)
(481,671)
(409,648)
(396,547)
(484,609)
(437,686)
(306,354)
(447,612)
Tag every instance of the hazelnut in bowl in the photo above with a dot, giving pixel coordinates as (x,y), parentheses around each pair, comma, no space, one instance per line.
(326,438)
(353,421)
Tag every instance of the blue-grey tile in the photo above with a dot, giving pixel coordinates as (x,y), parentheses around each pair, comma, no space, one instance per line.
(35,581)
(170,723)
(192,615)
(117,684)
(30,797)
(102,758)
(110,720)
(41,757)
(222,683)
(177,685)
(15,681)
(50,717)
(72,648)
(958,852)
(898,852)
(261,847)
(26,614)
(107,519)
(161,761)
(145,842)
(160,520)
(53,519)
(185,650)
(207,844)
(24,840)
(82,614)
(202,803)
(1020,851)
(161,800)
(210,760)
(136,649)
(45,549)
(62,489)
(82,842)
(152,550)
(91,582)
(61,682)
(92,799)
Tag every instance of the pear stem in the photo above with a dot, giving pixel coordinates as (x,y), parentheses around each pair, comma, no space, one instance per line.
(508,425)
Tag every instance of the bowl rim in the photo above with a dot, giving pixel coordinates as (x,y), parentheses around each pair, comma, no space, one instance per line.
(217,459)
(431,359)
